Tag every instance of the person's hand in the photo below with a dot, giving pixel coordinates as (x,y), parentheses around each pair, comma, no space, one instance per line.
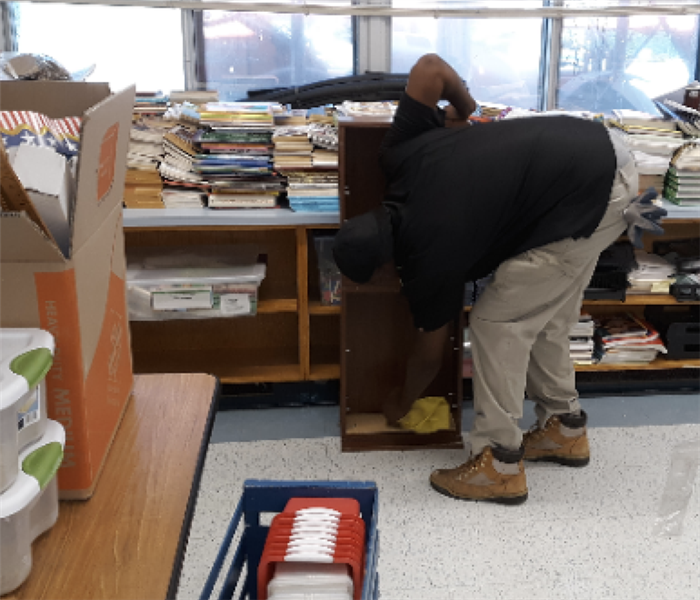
(453,118)
(642,215)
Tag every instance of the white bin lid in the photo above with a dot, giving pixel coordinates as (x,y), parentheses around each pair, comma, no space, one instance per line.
(254,274)
(25,357)
(27,487)
(328,580)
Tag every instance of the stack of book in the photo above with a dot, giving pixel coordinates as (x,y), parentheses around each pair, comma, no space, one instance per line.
(652,275)
(179,155)
(183,196)
(688,118)
(249,192)
(581,344)
(682,183)
(313,191)
(289,117)
(652,140)
(143,184)
(142,189)
(292,148)
(235,155)
(626,339)
(150,103)
(145,145)
(324,137)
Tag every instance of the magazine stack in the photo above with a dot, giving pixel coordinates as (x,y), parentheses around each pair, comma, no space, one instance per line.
(626,339)
(581,344)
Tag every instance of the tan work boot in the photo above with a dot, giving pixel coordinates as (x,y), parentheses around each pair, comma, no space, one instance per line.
(562,440)
(496,475)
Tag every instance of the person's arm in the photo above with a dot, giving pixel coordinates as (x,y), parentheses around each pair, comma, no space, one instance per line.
(431,79)
(422,367)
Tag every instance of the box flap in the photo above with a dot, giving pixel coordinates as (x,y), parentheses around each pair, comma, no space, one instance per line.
(104,143)
(21,240)
(13,196)
(93,273)
(54,99)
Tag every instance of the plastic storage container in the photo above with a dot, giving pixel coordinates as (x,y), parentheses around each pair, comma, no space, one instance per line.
(30,505)
(26,355)
(330,276)
(272,497)
(197,283)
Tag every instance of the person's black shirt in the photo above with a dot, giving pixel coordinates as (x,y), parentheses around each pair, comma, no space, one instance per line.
(466,199)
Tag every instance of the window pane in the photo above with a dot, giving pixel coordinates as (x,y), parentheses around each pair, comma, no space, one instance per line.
(610,63)
(499,58)
(127,44)
(244,51)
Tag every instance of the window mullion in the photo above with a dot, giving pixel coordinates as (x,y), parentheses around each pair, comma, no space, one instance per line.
(373,40)
(190,42)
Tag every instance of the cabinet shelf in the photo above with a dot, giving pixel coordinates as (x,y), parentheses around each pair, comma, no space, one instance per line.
(316,308)
(280,305)
(272,367)
(639,300)
(322,372)
(365,431)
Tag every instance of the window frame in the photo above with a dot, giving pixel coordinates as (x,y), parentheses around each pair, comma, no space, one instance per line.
(372,43)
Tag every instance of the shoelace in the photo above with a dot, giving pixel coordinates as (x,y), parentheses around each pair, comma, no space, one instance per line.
(535,432)
(473,463)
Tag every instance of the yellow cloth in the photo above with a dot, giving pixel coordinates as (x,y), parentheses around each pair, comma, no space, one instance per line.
(428,415)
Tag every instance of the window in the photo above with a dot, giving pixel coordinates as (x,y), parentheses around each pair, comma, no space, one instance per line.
(609,63)
(243,51)
(127,45)
(498,58)
(598,63)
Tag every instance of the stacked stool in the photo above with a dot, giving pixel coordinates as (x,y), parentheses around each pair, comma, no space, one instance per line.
(31,450)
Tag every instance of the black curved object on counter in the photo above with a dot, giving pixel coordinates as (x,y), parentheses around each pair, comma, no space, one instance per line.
(370,87)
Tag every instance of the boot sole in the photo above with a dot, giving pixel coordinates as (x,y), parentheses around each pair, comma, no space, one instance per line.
(508,500)
(560,460)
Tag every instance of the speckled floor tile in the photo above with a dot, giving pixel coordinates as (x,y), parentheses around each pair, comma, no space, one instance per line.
(582,534)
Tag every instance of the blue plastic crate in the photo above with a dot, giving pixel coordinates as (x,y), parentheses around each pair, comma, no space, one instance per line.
(271,497)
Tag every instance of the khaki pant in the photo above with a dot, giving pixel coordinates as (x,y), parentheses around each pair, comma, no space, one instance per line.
(519,327)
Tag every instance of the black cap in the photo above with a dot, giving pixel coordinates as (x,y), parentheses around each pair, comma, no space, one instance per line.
(363,244)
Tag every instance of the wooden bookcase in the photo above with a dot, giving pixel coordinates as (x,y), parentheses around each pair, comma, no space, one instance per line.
(294,337)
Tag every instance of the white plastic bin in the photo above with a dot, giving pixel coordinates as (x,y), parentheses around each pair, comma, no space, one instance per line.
(30,506)
(195,283)
(26,355)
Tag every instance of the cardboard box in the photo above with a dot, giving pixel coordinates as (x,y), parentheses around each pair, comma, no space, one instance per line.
(81,299)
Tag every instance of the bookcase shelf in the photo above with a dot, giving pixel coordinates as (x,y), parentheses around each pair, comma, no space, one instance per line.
(282,305)
(316,308)
(656,365)
(639,300)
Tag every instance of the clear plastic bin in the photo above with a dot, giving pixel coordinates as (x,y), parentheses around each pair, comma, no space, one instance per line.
(26,355)
(330,276)
(198,283)
(30,505)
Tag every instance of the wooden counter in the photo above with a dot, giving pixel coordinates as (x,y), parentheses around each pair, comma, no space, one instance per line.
(128,540)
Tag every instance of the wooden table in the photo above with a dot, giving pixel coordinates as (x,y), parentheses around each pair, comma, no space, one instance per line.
(128,540)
